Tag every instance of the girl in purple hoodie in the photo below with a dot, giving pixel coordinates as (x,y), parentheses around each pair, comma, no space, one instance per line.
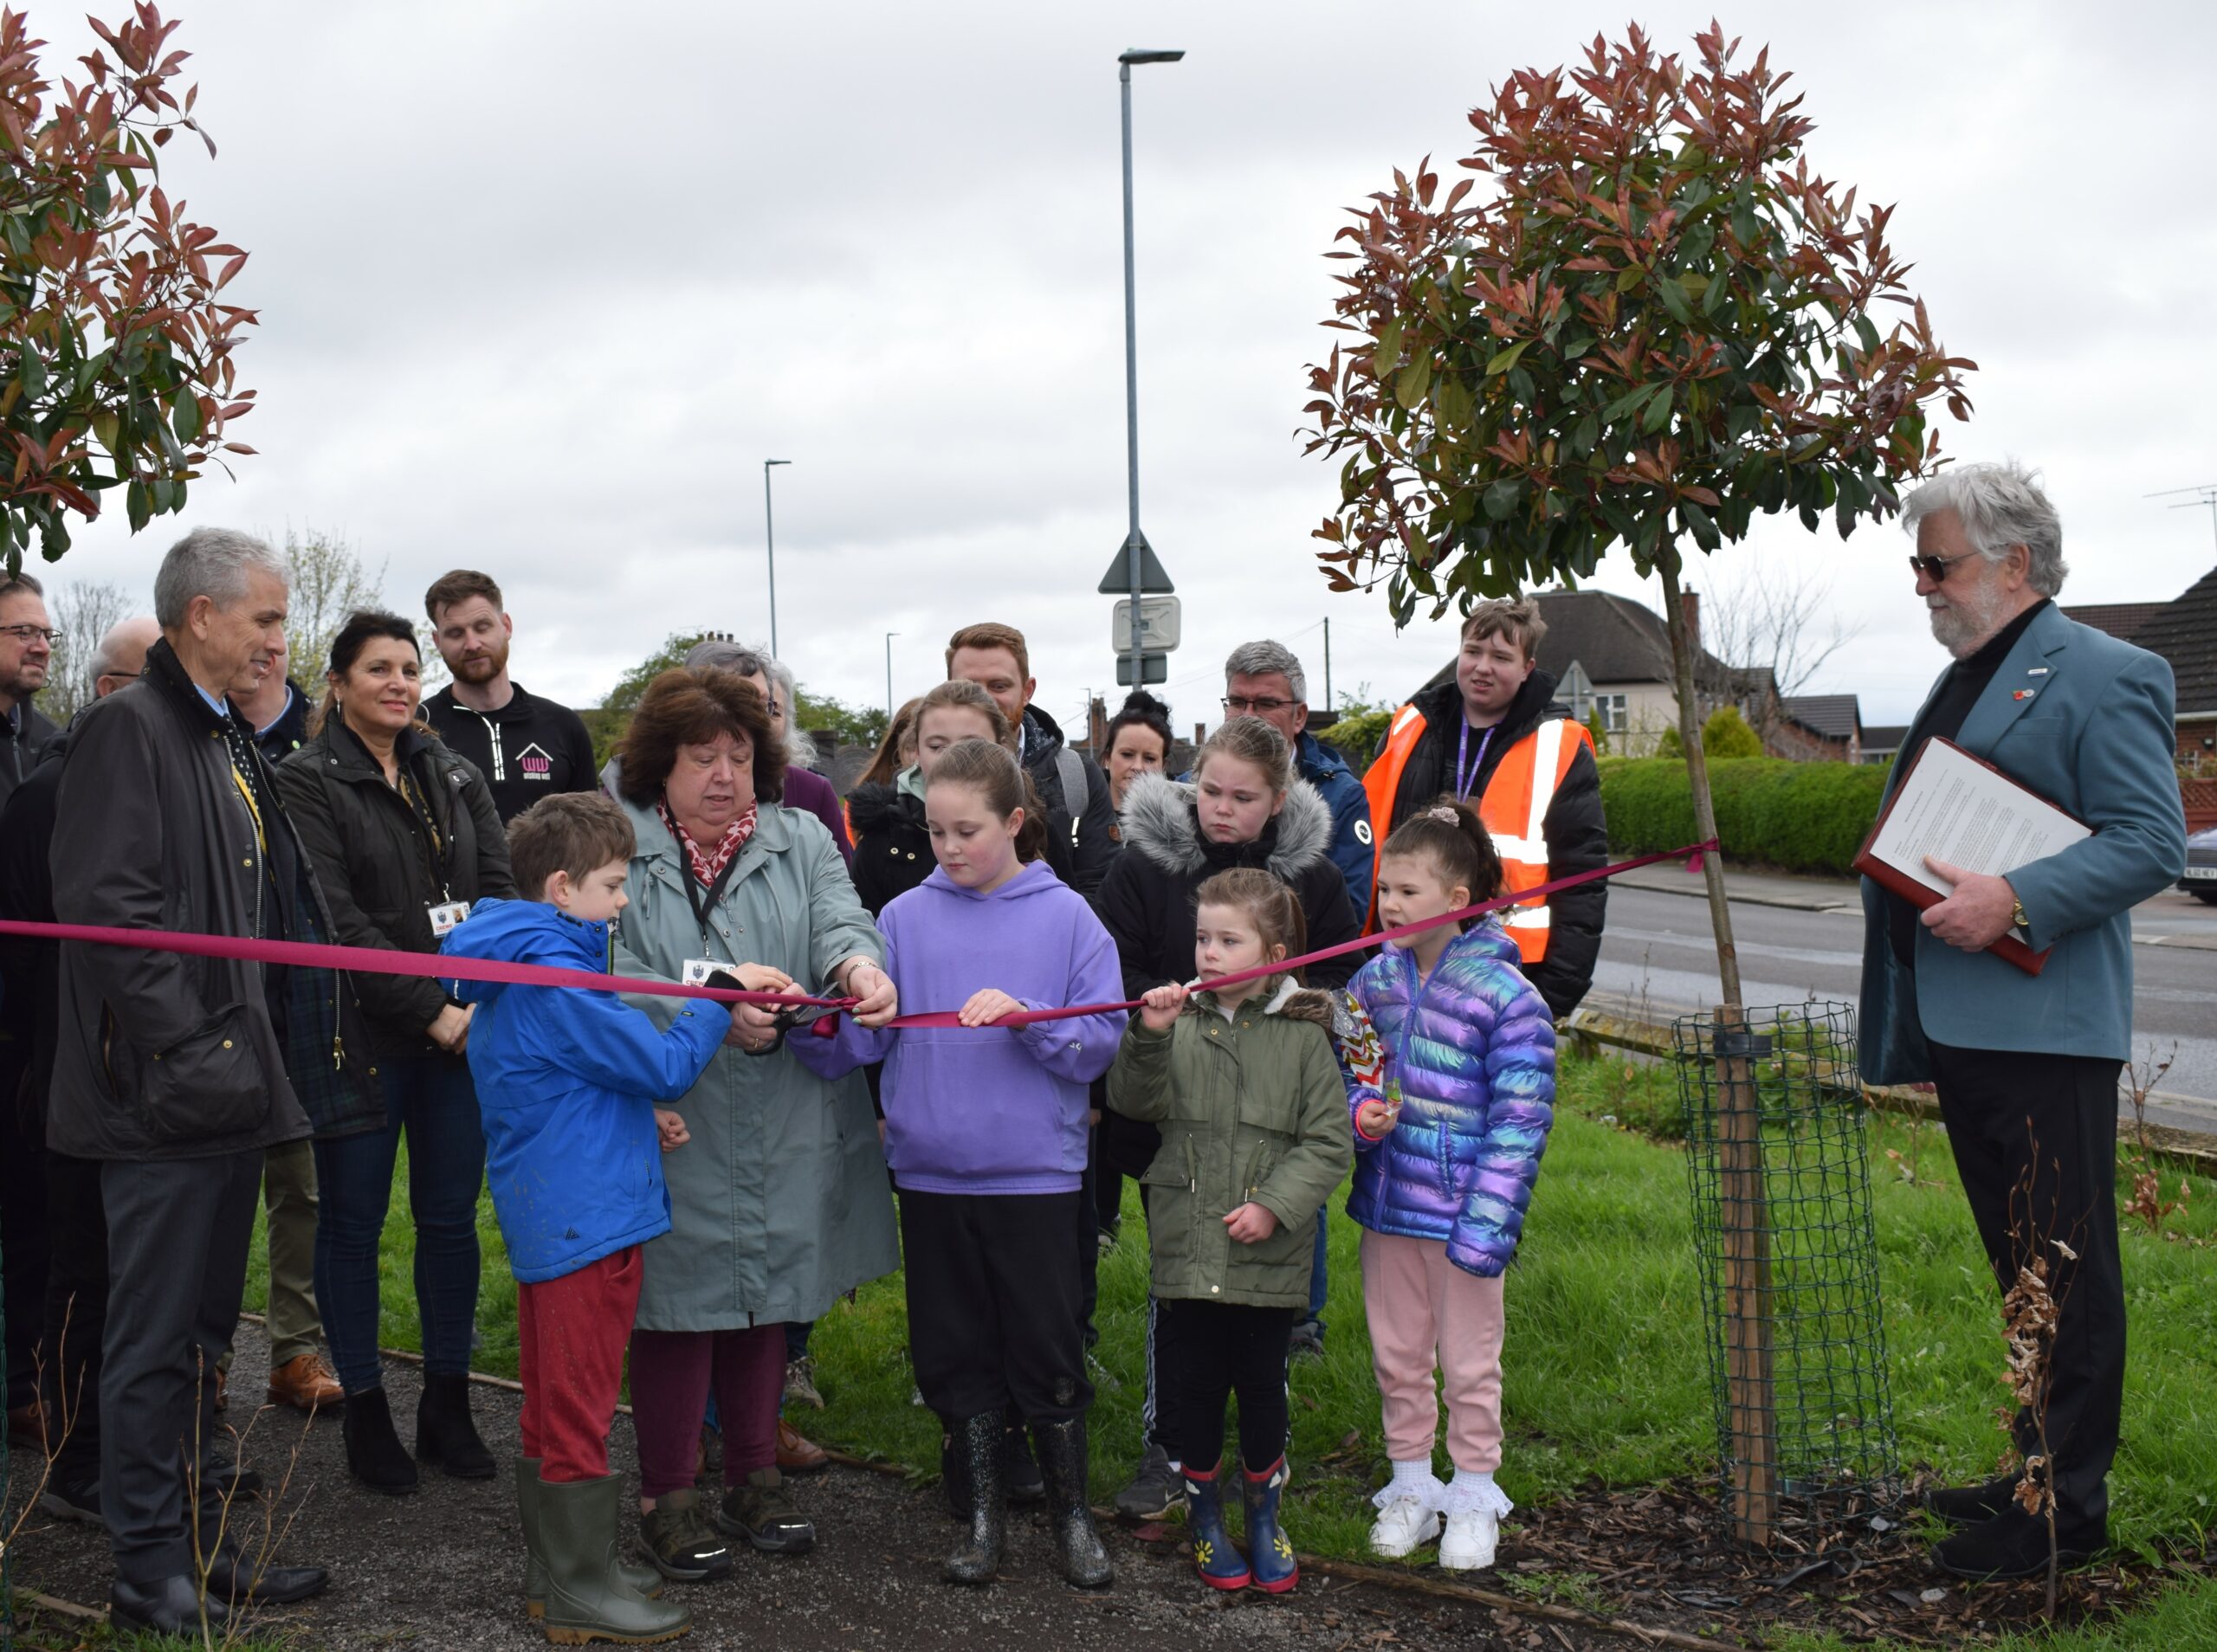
(986,1131)
(1445,1162)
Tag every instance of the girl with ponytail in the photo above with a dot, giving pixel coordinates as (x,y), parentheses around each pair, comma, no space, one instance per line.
(986,1133)
(1453,1101)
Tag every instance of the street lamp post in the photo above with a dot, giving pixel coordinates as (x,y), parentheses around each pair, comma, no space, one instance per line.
(770,546)
(1134,543)
(889,635)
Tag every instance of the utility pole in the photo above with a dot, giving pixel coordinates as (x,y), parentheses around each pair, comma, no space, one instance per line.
(1135,544)
(1327,669)
(770,545)
(889,635)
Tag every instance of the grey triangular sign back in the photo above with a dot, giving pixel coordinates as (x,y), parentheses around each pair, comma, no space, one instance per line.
(1117,581)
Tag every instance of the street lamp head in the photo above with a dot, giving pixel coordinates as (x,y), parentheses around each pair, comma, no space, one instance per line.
(766,463)
(1135,54)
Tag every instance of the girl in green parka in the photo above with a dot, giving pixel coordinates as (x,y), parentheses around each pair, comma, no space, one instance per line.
(1247,1089)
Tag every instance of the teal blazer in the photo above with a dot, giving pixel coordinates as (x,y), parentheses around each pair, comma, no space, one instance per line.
(2092,733)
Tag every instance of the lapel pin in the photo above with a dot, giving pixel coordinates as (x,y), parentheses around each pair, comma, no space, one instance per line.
(2023,693)
(2036,671)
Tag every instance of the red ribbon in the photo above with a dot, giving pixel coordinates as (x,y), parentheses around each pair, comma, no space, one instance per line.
(375,960)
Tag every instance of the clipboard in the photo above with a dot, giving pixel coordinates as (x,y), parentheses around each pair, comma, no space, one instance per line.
(2042,823)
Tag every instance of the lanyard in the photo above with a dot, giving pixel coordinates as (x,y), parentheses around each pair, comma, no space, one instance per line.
(1467,777)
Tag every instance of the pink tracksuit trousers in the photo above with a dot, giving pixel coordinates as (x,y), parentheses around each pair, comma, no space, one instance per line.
(1423,1311)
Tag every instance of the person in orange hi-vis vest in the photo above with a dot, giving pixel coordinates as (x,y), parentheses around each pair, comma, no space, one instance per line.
(1490,734)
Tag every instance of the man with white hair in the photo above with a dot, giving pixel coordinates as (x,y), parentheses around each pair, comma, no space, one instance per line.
(2026,1066)
(170,1071)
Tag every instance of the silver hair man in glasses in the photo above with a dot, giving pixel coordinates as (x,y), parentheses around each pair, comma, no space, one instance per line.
(2026,1066)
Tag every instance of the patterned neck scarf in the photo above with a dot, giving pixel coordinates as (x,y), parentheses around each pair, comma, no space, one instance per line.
(707,867)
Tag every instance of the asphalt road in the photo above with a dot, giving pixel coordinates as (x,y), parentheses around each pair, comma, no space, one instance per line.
(1658,951)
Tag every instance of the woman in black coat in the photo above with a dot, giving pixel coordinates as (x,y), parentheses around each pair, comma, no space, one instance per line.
(404,838)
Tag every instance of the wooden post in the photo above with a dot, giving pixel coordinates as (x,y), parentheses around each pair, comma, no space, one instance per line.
(1743,1219)
(1743,1226)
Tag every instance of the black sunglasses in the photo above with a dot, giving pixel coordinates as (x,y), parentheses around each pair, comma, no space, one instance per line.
(1935,568)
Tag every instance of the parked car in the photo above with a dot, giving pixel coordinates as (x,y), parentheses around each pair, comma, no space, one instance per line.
(2201,878)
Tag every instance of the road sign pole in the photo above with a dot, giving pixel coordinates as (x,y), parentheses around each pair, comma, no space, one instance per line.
(1131,379)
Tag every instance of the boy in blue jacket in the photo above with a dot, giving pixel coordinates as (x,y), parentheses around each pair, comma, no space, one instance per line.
(567,1080)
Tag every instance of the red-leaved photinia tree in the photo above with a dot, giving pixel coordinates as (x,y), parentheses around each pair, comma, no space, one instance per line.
(115,352)
(1645,321)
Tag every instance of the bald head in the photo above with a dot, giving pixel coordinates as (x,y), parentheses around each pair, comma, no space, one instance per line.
(121,655)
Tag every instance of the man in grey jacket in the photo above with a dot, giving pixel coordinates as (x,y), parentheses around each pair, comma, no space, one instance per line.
(170,1069)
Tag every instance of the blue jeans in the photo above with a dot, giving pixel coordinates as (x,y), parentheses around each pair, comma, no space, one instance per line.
(431,1098)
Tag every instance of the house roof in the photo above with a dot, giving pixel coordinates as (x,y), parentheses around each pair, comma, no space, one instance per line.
(2120,620)
(2185,633)
(1885,737)
(1835,716)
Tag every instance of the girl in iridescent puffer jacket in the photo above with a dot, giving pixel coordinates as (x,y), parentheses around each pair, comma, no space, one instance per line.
(1451,1108)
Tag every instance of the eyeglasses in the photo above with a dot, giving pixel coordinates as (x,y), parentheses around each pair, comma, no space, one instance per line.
(1935,568)
(26,633)
(1242,707)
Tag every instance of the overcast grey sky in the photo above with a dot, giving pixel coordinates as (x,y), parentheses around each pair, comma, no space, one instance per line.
(542,285)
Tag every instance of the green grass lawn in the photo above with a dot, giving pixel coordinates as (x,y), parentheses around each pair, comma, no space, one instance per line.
(1605,1371)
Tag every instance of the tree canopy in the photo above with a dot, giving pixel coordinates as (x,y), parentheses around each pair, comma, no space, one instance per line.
(116,364)
(1645,318)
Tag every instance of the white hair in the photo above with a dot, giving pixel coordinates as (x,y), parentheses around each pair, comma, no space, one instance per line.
(1267,659)
(212,563)
(2000,505)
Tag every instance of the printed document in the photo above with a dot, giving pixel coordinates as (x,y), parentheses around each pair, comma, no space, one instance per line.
(1956,809)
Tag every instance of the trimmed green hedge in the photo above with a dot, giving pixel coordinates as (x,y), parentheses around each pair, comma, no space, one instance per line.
(1803,817)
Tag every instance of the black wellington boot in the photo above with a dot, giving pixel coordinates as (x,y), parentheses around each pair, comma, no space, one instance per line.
(1062,1464)
(978,1445)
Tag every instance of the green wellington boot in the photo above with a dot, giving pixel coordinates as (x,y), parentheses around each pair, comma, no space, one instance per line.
(587,1599)
(645,1579)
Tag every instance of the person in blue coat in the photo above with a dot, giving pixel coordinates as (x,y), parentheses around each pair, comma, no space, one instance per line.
(2026,1066)
(567,1080)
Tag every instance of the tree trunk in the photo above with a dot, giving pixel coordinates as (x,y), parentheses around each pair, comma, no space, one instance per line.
(1743,1214)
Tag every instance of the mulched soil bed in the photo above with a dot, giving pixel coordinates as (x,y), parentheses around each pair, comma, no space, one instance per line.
(1660,1556)
(439,1568)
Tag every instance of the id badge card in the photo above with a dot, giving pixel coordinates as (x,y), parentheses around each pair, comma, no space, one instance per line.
(698,970)
(445,918)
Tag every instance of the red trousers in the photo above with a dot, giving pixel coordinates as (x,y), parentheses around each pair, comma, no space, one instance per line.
(571,1334)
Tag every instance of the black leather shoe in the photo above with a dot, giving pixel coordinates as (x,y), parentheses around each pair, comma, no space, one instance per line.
(233,1577)
(2014,1545)
(169,1607)
(73,1495)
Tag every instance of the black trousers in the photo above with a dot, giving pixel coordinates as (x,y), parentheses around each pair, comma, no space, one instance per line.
(993,1293)
(24,1240)
(1204,1352)
(178,1231)
(77,1308)
(2034,1138)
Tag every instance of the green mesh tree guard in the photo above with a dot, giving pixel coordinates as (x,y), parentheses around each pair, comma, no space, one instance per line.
(1780,1166)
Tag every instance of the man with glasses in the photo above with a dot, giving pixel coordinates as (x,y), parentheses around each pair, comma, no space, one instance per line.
(26,650)
(2026,1066)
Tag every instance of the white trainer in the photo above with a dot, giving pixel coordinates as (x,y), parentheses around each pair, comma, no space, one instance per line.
(1472,1535)
(1406,1525)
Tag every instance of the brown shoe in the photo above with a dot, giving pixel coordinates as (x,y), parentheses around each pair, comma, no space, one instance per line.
(27,1428)
(797,1455)
(305,1384)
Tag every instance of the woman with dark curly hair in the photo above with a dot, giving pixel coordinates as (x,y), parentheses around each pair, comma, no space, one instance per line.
(779,1204)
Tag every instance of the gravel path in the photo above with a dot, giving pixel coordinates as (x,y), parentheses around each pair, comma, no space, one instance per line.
(441,1569)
